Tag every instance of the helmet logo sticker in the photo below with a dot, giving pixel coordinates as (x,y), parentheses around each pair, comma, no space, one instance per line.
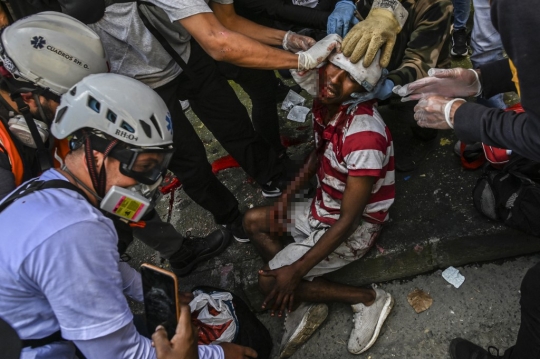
(38,42)
(169,123)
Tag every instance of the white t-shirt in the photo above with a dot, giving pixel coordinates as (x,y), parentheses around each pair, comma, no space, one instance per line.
(60,270)
(133,51)
(59,267)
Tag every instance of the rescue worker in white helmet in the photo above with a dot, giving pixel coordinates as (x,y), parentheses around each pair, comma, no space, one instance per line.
(43,55)
(61,280)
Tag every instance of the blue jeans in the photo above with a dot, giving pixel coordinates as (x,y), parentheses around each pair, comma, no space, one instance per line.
(486,46)
(462,8)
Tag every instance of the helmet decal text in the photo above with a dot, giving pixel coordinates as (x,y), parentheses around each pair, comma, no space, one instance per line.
(68,57)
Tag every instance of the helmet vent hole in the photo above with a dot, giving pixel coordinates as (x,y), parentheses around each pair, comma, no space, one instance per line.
(111,116)
(156,126)
(127,127)
(73,91)
(60,114)
(94,104)
(146,128)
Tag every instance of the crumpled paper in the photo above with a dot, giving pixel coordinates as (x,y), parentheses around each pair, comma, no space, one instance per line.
(298,114)
(419,300)
(292,99)
(452,276)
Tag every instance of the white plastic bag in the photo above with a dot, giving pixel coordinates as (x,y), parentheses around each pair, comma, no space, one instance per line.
(214,314)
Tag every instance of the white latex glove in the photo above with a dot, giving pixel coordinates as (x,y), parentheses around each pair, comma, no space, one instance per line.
(308,80)
(379,29)
(436,112)
(457,82)
(294,42)
(318,53)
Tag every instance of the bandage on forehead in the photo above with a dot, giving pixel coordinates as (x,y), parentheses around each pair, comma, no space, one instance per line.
(367,77)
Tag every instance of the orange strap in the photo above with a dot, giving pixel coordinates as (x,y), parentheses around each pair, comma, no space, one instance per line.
(14,156)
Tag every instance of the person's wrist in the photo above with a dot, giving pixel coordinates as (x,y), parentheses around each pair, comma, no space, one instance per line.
(450,110)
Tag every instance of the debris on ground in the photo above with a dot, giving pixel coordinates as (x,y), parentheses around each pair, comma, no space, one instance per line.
(419,300)
(452,276)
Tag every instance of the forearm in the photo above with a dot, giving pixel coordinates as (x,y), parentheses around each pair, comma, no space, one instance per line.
(494,127)
(355,198)
(232,21)
(226,45)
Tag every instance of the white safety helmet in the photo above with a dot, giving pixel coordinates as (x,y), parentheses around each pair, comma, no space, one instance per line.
(365,76)
(118,107)
(51,50)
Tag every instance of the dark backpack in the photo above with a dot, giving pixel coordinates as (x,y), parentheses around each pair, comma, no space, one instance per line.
(252,333)
(511,195)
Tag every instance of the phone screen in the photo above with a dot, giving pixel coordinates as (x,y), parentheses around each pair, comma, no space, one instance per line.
(160,299)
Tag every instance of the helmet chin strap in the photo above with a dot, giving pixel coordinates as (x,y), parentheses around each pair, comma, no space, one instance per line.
(48,121)
(99,179)
(81,183)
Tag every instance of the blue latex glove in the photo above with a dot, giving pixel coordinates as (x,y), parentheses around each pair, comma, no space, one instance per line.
(342,18)
(382,91)
(385,91)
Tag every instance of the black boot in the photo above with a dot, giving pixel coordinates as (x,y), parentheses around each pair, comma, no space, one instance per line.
(464,349)
(197,249)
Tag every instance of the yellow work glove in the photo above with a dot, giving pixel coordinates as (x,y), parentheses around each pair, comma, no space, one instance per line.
(379,29)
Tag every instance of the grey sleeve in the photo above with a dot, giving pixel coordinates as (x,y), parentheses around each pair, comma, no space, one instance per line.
(180,9)
(494,127)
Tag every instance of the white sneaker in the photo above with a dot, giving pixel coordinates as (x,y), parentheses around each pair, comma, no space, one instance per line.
(368,321)
(299,325)
(184,104)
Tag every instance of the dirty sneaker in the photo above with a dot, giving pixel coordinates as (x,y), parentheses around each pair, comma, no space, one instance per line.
(299,325)
(464,349)
(368,321)
(197,249)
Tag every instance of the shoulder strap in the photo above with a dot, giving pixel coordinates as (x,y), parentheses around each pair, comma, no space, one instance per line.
(37,185)
(35,343)
(176,57)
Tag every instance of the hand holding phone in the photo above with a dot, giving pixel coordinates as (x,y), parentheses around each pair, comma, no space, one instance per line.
(183,345)
(161,306)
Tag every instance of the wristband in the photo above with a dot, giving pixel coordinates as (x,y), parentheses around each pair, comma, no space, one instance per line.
(447,110)
(479,83)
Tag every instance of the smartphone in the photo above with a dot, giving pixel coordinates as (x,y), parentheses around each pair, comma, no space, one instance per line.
(161,306)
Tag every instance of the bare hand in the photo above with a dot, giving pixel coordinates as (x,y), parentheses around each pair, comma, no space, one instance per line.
(184,343)
(455,82)
(287,279)
(235,351)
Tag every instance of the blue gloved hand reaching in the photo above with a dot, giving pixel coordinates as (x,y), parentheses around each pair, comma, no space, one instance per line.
(342,18)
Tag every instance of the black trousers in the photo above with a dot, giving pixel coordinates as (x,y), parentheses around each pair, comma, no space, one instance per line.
(215,103)
(261,87)
(528,340)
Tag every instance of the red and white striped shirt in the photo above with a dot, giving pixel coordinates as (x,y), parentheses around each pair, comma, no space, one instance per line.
(356,144)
